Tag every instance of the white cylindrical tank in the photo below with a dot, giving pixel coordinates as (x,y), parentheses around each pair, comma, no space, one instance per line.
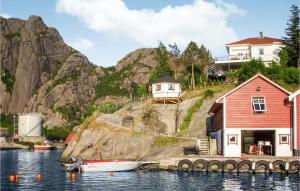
(30,124)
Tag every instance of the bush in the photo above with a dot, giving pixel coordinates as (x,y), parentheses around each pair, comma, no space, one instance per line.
(111,82)
(288,77)
(7,79)
(7,121)
(56,133)
(208,93)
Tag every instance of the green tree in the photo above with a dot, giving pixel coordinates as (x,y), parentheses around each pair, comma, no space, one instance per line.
(284,57)
(251,68)
(291,41)
(162,56)
(191,57)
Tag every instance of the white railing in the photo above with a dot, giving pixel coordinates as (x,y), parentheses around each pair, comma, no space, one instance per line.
(233,57)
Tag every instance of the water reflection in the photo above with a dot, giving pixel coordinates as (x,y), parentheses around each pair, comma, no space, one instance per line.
(27,164)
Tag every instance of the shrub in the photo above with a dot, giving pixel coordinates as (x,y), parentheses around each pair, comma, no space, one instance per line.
(208,93)
(56,133)
(7,79)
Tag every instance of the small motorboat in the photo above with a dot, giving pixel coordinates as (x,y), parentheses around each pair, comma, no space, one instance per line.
(105,165)
(43,147)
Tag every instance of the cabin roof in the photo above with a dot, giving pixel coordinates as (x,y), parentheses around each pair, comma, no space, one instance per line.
(166,78)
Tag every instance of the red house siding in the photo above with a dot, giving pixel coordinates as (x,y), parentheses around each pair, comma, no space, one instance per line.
(239,110)
(298,121)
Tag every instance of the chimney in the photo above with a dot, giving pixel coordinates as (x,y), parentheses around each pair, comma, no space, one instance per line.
(261,35)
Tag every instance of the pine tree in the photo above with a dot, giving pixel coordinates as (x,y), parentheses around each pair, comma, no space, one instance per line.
(291,42)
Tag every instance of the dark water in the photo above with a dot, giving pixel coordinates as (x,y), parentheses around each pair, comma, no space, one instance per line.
(27,164)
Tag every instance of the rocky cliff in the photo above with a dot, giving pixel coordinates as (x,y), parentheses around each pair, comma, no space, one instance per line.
(39,72)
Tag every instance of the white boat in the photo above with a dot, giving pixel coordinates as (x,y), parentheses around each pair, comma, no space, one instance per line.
(106,165)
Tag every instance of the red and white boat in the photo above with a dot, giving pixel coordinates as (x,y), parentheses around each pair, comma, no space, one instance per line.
(43,147)
(106,165)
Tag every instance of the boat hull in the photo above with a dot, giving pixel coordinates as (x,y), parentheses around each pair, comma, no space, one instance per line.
(110,166)
(42,148)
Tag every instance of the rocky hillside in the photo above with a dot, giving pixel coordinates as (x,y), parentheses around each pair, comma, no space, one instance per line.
(40,73)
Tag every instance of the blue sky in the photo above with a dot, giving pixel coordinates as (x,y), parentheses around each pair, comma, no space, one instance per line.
(106,30)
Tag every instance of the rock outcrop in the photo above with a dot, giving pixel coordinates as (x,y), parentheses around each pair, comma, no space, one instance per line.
(140,64)
(40,72)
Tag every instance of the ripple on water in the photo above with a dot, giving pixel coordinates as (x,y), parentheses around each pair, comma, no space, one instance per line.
(27,164)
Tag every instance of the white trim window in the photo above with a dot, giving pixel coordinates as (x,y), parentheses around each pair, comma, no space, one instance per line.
(171,86)
(259,104)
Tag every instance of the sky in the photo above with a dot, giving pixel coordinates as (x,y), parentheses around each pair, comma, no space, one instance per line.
(107,30)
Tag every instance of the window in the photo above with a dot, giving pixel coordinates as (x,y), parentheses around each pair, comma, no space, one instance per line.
(171,87)
(232,139)
(259,104)
(261,51)
(158,87)
(284,139)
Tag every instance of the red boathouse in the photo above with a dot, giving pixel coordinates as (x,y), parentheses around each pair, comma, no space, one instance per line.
(257,118)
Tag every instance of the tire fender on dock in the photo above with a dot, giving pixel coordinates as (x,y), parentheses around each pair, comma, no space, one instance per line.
(214,166)
(200,165)
(278,166)
(230,166)
(294,166)
(185,165)
(262,166)
(245,166)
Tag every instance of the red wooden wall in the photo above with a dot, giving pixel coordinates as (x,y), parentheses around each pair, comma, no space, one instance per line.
(239,110)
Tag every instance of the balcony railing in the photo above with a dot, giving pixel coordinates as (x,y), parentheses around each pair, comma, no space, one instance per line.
(233,57)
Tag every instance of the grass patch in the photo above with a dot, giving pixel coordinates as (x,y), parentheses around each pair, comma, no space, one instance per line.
(161,141)
(188,118)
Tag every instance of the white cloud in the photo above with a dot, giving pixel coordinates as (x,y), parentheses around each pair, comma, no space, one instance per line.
(82,44)
(5,15)
(202,21)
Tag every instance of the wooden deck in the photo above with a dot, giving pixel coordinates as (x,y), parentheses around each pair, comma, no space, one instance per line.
(167,100)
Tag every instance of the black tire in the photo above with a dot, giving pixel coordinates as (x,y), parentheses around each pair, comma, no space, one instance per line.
(200,165)
(278,166)
(245,166)
(214,166)
(230,166)
(185,165)
(294,166)
(262,166)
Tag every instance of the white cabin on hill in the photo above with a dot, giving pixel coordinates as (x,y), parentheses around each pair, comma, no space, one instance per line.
(166,89)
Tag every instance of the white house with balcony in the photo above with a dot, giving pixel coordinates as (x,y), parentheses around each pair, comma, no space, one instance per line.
(166,89)
(264,48)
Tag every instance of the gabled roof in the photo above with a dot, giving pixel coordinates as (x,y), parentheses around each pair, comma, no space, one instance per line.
(296,93)
(166,78)
(246,82)
(263,40)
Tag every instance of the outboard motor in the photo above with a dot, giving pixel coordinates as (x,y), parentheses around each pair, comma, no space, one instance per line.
(77,165)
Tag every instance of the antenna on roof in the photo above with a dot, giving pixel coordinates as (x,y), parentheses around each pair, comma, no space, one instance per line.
(261,34)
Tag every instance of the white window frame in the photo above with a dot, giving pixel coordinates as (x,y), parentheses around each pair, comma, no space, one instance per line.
(261,100)
(171,87)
